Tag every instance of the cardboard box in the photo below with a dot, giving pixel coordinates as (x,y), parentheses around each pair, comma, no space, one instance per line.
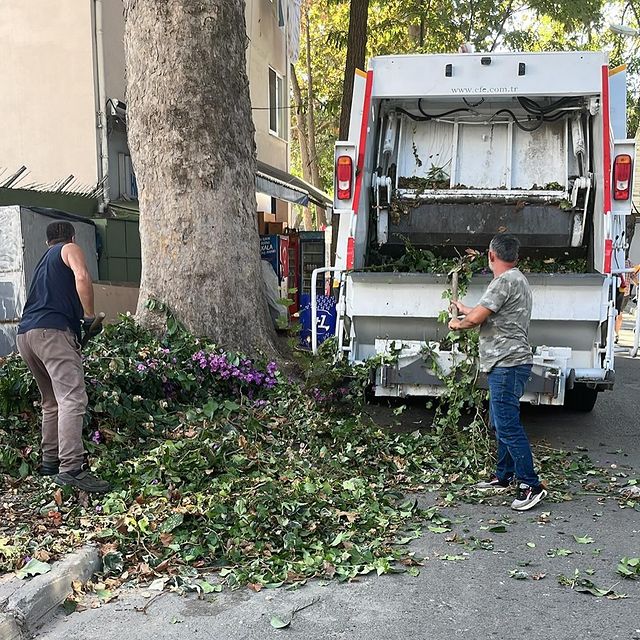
(263,220)
(275,228)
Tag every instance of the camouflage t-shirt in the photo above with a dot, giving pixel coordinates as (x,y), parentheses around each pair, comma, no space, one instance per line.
(504,336)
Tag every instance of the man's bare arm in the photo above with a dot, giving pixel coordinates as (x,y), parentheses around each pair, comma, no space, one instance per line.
(476,316)
(73,257)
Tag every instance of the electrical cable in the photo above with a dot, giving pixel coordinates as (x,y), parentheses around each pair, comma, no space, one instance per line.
(440,115)
(517,123)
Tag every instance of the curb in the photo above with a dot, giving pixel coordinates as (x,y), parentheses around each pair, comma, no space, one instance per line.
(32,603)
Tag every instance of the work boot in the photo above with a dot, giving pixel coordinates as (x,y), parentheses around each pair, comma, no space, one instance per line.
(52,467)
(82,480)
(49,468)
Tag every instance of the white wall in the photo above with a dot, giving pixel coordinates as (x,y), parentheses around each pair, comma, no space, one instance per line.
(267,48)
(47,100)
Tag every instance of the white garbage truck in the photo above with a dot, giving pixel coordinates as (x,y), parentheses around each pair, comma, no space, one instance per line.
(445,151)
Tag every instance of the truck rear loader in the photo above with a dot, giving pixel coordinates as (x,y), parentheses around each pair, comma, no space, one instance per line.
(444,152)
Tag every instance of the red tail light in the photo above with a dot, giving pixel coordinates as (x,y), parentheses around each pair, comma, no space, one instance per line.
(622,177)
(344,177)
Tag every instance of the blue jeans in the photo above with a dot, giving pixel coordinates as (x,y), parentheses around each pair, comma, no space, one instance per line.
(506,386)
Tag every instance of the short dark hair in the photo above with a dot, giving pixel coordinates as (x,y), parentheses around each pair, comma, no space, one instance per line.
(505,246)
(60,231)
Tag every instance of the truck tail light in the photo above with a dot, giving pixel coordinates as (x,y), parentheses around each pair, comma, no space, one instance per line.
(344,177)
(622,177)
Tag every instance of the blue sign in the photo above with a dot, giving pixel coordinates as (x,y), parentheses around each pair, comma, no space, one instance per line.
(269,252)
(325,320)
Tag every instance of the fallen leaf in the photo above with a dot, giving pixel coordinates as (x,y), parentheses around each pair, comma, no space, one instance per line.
(33,568)
(43,555)
(278,623)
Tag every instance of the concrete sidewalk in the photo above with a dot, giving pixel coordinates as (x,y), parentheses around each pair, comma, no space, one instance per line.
(469,595)
(25,605)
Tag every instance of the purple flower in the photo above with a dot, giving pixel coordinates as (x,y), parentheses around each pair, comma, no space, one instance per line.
(141,367)
(98,508)
(96,437)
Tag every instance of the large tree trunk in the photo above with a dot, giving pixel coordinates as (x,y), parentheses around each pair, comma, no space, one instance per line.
(303,142)
(356,51)
(192,146)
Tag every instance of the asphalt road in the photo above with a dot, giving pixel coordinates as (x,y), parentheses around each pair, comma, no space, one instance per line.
(472,594)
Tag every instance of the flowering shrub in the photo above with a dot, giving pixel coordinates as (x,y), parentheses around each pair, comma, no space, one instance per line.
(232,373)
(139,387)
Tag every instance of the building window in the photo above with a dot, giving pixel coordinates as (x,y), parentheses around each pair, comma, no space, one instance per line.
(277,105)
(279,11)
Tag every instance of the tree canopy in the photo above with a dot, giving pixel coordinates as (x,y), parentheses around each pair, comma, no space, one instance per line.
(440,26)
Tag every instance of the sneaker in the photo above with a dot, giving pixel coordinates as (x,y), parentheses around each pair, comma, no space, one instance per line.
(82,480)
(493,483)
(528,497)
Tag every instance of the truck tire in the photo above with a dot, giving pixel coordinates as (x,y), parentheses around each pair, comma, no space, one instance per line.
(580,398)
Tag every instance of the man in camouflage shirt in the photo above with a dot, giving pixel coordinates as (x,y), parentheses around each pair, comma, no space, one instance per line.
(503,315)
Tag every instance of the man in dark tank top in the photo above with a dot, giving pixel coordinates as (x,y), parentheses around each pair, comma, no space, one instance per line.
(60,298)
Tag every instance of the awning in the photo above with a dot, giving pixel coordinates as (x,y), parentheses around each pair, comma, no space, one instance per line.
(283,186)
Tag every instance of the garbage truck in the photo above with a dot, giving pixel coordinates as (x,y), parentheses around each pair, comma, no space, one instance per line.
(447,150)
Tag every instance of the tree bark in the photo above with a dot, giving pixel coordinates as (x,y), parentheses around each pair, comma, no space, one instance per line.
(303,141)
(321,219)
(356,51)
(191,138)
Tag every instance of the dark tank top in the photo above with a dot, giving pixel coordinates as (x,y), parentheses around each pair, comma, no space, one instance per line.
(53,301)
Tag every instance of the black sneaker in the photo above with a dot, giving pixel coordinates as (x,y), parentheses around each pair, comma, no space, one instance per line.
(493,483)
(528,497)
(82,480)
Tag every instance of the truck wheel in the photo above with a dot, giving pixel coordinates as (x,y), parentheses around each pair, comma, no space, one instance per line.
(580,398)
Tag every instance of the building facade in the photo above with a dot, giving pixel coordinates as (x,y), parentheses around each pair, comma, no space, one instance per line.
(63,102)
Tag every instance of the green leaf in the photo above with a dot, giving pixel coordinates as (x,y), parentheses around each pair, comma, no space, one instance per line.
(413,571)
(207,587)
(33,568)
(172,522)
(531,545)
(498,529)
(518,574)
(437,529)
(583,539)
(210,408)
(278,623)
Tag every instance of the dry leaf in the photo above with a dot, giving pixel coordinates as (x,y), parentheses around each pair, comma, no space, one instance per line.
(43,555)
(55,517)
(57,497)
(255,586)
(538,576)
(166,539)
(329,569)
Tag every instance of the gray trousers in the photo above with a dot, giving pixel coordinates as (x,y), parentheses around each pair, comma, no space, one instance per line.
(53,356)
